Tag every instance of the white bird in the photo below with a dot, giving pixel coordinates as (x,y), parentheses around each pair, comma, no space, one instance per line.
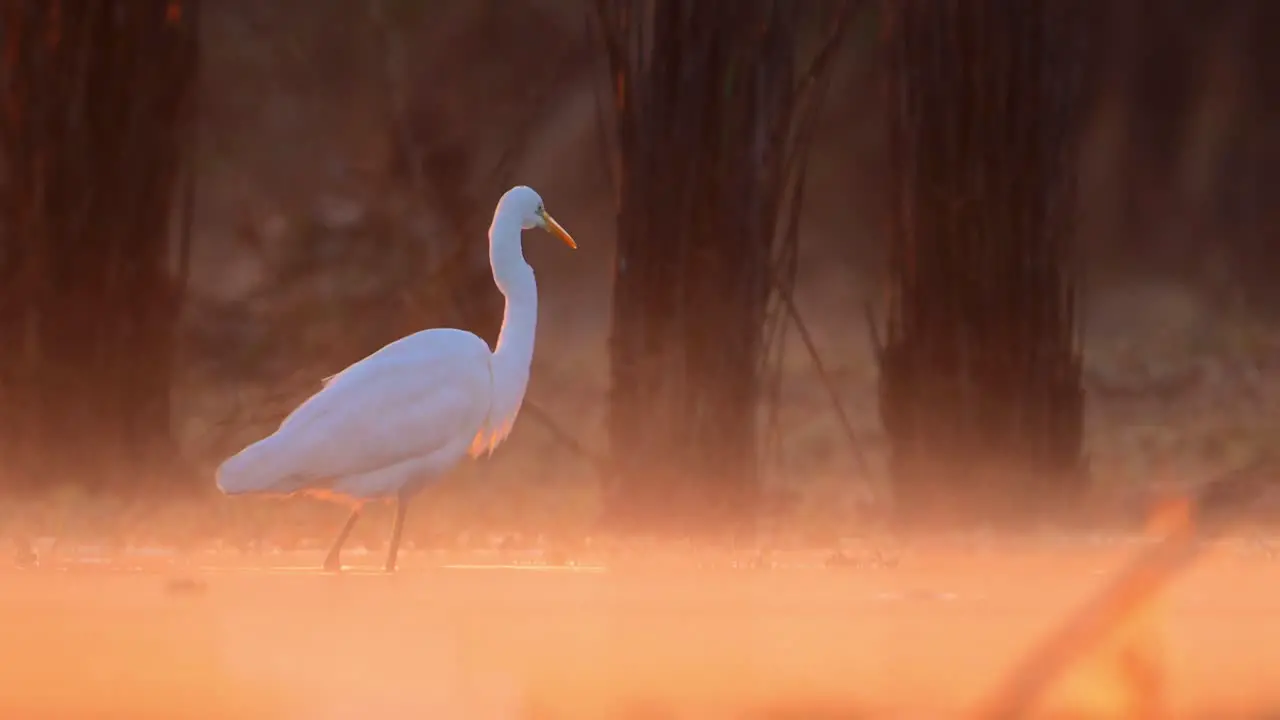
(391,423)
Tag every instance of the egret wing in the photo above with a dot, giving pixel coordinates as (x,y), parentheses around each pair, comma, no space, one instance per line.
(409,399)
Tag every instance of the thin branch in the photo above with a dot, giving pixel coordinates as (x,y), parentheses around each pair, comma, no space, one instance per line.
(820,67)
(817,78)
(832,394)
(566,438)
(873,332)
(607,149)
(188,201)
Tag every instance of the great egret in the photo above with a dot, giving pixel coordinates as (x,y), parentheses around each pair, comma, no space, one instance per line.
(389,424)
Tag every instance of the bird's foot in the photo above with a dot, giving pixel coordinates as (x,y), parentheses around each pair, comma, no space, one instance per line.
(332,564)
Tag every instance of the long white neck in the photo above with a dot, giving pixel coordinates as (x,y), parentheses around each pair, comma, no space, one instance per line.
(514,352)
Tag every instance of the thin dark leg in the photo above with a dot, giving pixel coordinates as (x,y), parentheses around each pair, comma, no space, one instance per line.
(332,561)
(402,504)
(24,554)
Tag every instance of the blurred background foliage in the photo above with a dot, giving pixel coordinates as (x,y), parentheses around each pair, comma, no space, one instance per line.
(349,154)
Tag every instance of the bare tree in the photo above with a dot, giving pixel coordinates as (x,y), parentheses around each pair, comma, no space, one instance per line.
(709,127)
(980,387)
(97,109)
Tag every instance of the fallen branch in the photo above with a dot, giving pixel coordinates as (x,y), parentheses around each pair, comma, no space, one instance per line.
(1118,601)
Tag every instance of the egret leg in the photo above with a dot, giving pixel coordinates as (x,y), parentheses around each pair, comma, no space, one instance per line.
(332,561)
(397,527)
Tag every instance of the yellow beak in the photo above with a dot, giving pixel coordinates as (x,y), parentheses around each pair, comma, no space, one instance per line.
(550,225)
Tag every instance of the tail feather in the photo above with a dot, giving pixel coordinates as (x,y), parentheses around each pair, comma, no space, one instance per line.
(260,468)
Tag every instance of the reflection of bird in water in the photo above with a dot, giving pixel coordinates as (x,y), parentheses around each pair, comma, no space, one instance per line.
(389,424)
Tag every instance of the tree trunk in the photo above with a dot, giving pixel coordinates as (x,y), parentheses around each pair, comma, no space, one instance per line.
(706,119)
(97,107)
(980,386)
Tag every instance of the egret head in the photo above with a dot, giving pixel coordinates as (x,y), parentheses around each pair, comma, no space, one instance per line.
(523,202)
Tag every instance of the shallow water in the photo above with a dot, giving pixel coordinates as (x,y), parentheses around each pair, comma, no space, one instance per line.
(928,638)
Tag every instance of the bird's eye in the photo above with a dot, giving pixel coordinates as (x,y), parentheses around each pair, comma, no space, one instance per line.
(540,210)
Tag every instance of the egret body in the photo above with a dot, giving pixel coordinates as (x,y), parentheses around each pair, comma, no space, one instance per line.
(393,422)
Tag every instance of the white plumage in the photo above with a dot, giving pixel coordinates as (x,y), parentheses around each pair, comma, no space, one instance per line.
(379,424)
(392,422)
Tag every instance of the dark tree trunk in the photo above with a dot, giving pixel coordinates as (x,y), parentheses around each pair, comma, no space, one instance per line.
(97,101)
(706,125)
(1254,181)
(980,387)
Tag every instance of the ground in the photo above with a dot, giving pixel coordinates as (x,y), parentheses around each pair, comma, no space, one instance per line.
(218,635)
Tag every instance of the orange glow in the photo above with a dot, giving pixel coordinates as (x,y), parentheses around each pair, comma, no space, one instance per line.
(1170,517)
(430,642)
(1127,676)
(173,13)
(1109,657)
